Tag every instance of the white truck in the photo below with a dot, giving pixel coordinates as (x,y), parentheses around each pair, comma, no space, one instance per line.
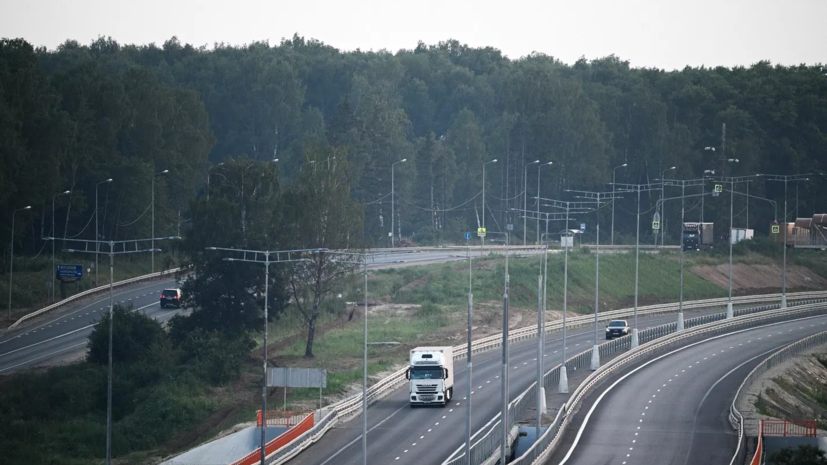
(432,376)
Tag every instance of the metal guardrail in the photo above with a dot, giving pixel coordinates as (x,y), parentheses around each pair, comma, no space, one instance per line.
(777,358)
(552,435)
(89,292)
(353,404)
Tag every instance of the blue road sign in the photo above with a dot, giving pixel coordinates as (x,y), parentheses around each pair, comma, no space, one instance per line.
(583,227)
(69,271)
(467,236)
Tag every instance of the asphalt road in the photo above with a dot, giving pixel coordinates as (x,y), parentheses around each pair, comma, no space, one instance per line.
(65,333)
(675,409)
(399,434)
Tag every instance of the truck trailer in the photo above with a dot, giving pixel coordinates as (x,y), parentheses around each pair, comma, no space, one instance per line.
(697,236)
(431,376)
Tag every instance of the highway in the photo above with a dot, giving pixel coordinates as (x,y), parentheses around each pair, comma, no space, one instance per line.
(64,333)
(399,434)
(674,409)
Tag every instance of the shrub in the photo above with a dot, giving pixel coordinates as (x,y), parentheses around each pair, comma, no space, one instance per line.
(215,357)
(133,333)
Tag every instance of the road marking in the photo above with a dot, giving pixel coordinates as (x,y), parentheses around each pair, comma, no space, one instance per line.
(360,436)
(43,356)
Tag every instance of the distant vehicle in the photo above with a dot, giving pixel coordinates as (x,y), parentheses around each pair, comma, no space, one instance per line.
(617,328)
(171,297)
(697,236)
(432,376)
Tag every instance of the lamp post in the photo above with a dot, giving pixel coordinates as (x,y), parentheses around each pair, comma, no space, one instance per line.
(563,386)
(525,195)
(468,374)
(11,247)
(281,256)
(97,236)
(54,233)
(599,197)
(614,174)
(393,213)
(785,179)
(153,217)
(308,163)
(482,238)
(111,253)
(662,210)
(538,199)
(637,188)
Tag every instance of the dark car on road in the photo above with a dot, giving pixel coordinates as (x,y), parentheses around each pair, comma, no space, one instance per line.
(171,297)
(617,328)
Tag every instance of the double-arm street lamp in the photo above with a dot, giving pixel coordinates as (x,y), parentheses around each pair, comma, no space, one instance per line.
(614,175)
(153,217)
(581,207)
(54,233)
(111,253)
(393,213)
(525,195)
(483,196)
(785,179)
(265,257)
(637,188)
(599,198)
(538,195)
(97,236)
(11,246)
(662,211)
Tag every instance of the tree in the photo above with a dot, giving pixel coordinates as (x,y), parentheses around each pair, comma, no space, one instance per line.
(805,454)
(320,214)
(134,333)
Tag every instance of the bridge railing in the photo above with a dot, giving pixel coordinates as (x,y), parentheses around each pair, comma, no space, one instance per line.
(777,358)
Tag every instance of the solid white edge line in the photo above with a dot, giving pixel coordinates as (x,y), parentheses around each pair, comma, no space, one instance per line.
(597,402)
(42,356)
(360,436)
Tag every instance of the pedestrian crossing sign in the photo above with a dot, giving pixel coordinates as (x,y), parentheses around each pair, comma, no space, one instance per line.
(719,188)
(481,232)
(655,225)
(776,229)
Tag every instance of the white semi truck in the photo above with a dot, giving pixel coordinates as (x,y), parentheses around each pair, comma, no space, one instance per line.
(432,376)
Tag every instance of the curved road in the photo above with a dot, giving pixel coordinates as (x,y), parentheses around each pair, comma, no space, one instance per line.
(65,332)
(675,409)
(398,434)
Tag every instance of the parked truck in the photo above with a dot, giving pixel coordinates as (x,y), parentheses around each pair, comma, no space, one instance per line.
(697,236)
(432,376)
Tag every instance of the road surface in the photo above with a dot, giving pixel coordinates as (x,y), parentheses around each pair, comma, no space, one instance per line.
(675,409)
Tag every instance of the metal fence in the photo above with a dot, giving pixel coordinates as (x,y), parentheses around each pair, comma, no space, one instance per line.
(770,362)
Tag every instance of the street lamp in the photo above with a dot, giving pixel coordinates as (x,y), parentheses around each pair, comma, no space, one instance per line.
(97,236)
(54,233)
(11,262)
(662,212)
(637,188)
(538,199)
(289,257)
(614,173)
(153,218)
(525,195)
(483,196)
(111,254)
(308,163)
(785,179)
(393,212)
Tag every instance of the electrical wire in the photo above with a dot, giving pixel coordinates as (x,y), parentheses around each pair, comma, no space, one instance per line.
(84,228)
(136,220)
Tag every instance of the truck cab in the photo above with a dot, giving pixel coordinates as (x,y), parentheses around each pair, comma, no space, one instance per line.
(431,376)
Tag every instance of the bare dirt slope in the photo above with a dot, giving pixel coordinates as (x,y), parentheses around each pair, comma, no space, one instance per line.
(750,277)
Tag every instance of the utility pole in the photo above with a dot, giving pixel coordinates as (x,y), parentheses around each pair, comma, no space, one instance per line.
(97,236)
(614,175)
(525,195)
(538,201)
(111,253)
(638,188)
(393,193)
(153,216)
(482,238)
(785,179)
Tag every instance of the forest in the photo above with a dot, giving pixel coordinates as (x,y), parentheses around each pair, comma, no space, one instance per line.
(73,117)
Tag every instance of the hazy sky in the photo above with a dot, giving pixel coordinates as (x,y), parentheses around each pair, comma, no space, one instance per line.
(651,33)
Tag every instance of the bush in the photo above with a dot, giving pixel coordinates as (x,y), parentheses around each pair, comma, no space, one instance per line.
(133,333)
(215,357)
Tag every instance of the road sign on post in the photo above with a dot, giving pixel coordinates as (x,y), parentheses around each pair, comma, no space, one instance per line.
(776,229)
(582,227)
(69,271)
(297,377)
(509,227)
(655,225)
(481,232)
(467,236)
